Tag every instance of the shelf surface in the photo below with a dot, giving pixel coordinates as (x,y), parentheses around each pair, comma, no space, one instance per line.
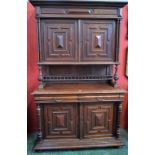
(77,63)
(117,3)
(78,88)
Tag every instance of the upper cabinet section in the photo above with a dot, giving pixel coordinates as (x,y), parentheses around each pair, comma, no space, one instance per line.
(78,32)
(77,41)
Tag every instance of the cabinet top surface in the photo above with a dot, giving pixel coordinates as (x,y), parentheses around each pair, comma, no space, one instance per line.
(120,3)
(85,88)
(112,1)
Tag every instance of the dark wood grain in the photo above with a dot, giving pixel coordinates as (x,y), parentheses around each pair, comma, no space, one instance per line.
(54,144)
(78,99)
(110,3)
(78,88)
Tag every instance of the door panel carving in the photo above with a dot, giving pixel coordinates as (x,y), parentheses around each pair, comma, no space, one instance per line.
(98,40)
(60,121)
(98,119)
(58,40)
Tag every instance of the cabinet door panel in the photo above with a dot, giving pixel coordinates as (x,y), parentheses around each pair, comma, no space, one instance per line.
(60,121)
(98,120)
(98,39)
(58,40)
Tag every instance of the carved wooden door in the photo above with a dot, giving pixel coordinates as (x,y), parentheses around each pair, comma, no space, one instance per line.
(60,120)
(58,40)
(98,40)
(98,119)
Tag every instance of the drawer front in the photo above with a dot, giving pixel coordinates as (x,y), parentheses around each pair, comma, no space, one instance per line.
(98,40)
(56,99)
(99,98)
(78,98)
(58,40)
(60,121)
(98,119)
(79,12)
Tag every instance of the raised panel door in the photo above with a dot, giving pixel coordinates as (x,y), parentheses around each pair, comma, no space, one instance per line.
(98,119)
(60,120)
(58,40)
(98,40)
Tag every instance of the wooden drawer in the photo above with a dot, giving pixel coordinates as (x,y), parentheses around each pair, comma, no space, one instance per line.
(79,12)
(78,98)
(56,99)
(99,98)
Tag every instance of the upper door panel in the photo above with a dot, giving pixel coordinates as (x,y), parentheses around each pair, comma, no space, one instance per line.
(98,40)
(58,40)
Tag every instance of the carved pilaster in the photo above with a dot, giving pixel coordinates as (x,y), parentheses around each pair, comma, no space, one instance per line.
(39,121)
(118,22)
(116,77)
(118,111)
(38,31)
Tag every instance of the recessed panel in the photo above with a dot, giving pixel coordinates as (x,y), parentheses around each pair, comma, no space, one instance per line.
(98,119)
(58,40)
(60,121)
(98,40)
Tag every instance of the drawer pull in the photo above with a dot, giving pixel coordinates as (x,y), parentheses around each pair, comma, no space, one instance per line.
(79,11)
(100,54)
(100,99)
(57,100)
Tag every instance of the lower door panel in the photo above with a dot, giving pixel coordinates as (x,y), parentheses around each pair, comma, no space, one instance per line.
(60,120)
(98,119)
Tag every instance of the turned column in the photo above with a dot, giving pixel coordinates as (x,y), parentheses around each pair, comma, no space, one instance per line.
(39,121)
(116,77)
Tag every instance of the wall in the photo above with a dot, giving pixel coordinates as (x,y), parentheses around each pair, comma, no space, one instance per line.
(32,68)
(123,80)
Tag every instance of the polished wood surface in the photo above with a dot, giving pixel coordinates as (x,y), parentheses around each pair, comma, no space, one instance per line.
(78,99)
(78,88)
(78,111)
(57,144)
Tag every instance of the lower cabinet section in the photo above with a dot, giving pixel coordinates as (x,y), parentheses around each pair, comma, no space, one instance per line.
(71,120)
(78,125)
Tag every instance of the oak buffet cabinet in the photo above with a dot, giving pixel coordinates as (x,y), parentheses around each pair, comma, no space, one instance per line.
(78,99)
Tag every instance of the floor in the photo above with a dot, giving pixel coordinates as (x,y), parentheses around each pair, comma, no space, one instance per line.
(102,151)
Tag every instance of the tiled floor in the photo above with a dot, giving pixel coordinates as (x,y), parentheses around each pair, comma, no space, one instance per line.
(102,151)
